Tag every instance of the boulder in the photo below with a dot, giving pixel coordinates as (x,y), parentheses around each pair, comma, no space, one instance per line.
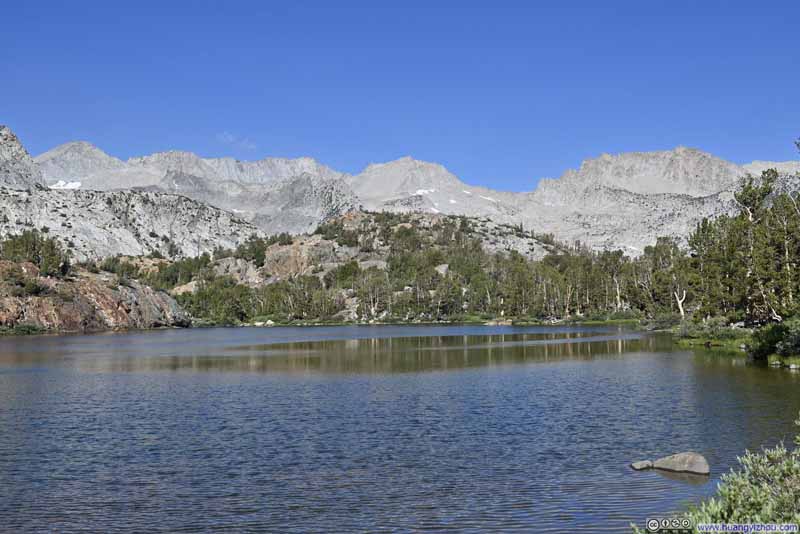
(189,287)
(642,465)
(684,462)
(242,271)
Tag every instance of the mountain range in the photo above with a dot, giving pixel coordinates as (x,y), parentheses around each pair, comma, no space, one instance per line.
(613,201)
(96,224)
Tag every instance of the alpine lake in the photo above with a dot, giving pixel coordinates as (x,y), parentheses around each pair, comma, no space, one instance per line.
(370,428)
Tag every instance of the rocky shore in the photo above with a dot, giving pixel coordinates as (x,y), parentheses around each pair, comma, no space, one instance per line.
(81,302)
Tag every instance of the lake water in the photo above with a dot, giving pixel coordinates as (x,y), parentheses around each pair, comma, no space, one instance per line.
(352,429)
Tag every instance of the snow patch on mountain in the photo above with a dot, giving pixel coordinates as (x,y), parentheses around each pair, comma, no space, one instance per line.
(61,184)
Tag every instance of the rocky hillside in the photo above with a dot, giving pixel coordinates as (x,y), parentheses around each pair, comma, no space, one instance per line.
(617,201)
(362,237)
(81,302)
(95,224)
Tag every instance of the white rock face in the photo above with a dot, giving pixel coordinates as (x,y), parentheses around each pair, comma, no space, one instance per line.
(96,224)
(269,169)
(683,171)
(17,168)
(73,162)
(783,167)
(406,185)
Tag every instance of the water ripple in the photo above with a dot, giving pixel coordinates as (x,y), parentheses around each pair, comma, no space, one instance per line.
(458,431)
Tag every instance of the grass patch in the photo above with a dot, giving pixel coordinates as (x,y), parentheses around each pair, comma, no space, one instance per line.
(20,330)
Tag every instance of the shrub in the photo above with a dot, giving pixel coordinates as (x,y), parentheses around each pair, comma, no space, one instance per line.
(766,339)
(664,320)
(789,345)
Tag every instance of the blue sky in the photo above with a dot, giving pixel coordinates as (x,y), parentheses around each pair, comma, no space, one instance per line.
(501,92)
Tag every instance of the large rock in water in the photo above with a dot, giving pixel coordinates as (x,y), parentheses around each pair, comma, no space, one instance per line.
(684,462)
(642,465)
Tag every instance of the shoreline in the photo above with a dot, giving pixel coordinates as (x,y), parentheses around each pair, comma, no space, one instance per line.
(31,330)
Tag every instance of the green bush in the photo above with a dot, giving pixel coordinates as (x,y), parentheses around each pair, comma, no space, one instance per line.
(664,321)
(789,345)
(766,340)
(220,301)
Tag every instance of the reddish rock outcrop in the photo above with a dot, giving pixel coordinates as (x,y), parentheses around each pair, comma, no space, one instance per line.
(82,302)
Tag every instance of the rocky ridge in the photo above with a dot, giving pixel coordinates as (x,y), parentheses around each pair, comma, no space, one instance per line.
(613,201)
(95,224)
(17,168)
(275,194)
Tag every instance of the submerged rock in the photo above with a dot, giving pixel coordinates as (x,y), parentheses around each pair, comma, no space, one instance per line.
(642,465)
(684,462)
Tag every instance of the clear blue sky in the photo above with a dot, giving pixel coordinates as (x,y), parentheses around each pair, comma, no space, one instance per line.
(500,92)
